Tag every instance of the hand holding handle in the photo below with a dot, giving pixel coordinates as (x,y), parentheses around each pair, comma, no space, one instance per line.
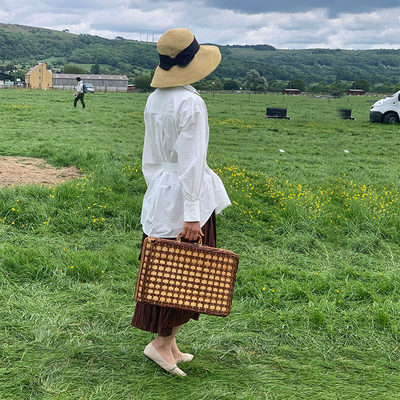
(191,230)
(199,239)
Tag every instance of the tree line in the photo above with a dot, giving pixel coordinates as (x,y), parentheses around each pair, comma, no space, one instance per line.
(317,70)
(254,82)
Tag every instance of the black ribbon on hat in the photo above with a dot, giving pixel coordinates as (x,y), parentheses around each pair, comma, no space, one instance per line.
(182,59)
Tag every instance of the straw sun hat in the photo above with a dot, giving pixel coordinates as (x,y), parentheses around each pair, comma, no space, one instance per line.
(183,60)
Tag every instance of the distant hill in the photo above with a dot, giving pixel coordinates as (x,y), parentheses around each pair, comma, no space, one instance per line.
(24,46)
(313,65)
(27,45)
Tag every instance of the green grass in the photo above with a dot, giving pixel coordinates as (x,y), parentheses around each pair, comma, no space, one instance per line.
(316,307)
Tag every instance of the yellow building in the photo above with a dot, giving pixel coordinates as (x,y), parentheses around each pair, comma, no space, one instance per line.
(39,77)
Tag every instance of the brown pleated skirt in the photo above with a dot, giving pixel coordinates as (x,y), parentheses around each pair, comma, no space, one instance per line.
(161,320)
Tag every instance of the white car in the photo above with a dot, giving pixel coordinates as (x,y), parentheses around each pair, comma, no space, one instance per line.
(89,87)
(386,110)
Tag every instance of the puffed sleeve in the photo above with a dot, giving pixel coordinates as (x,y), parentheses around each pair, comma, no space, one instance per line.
(150,159)
(191,147)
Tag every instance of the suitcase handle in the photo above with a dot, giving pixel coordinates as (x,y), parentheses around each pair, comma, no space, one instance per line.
(199,239)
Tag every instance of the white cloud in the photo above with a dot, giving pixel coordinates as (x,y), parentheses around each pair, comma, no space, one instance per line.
(136,19)
(317,29)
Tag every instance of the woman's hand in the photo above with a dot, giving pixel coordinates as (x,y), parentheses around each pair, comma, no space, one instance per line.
(191,230)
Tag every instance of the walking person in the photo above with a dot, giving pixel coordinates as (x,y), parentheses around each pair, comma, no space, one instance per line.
(183,193)
(79,94)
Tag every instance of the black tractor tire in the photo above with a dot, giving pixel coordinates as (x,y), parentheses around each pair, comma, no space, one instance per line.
(390,118)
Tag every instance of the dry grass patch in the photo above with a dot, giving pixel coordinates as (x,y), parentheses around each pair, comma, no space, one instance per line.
(24,170)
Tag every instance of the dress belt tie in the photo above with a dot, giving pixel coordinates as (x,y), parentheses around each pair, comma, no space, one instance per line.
(173,167)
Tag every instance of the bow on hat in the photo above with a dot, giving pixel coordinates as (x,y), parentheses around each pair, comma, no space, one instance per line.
(182,59)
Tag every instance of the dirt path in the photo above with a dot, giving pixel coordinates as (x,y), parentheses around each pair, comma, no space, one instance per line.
(24,170)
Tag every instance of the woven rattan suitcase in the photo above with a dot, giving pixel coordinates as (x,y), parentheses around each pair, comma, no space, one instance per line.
(186,276)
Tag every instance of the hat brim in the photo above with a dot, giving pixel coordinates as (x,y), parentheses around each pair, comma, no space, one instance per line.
(203,63)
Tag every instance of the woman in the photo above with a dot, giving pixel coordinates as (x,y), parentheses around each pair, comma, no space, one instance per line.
(183,193)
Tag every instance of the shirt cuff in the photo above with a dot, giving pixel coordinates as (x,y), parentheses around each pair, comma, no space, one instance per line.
(191,211)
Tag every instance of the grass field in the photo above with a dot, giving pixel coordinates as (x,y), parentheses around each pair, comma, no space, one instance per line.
(315,221)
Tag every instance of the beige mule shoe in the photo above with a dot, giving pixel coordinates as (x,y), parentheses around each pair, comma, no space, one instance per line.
(153,355)
(185,357)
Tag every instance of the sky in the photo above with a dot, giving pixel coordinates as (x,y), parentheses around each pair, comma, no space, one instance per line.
(285,24)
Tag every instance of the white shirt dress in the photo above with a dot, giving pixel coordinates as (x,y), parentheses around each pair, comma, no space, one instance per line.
(180,185)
